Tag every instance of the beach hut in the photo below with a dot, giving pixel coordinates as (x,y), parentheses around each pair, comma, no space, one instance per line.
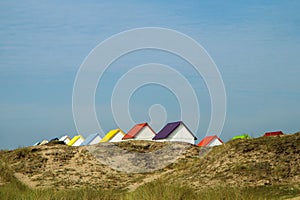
(175,131)
(43,142)
(275,133)
(66,139)
(91,139)
(53,139)
(210,141)
(76,140)
(37,143)
(244,136)
(115,135)
(140,132)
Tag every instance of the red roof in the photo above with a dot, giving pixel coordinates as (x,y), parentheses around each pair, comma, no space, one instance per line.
(273,133)
(135,130)
(207,140)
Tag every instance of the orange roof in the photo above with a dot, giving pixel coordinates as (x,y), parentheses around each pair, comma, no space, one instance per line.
(134,131)
(207,140)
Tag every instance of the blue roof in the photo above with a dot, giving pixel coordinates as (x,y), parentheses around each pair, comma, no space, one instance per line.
(89,139)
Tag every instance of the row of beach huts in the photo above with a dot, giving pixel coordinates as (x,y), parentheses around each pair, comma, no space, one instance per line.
(174,131)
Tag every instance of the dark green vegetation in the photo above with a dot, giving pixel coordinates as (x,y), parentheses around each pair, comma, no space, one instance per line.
(261,168)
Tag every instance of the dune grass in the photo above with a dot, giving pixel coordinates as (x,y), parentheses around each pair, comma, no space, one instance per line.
(150,191)
(147,192)
(8,192)
(163,189)
(160,190)
(12,188)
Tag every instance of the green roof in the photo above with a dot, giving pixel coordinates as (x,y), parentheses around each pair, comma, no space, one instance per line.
(244,136)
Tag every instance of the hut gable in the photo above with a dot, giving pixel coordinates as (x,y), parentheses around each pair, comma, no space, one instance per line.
(66,139)
(210,141)
(115,135)
(91,139)
(275,133)
(76,140)
(175,131)
(140,132)
(244,136)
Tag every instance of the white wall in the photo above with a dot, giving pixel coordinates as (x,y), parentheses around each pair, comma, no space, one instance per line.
(215,142)
(65,139)
(145,134)
(117,137)
(44,142)
(180,134)
(96,140)
(78,142)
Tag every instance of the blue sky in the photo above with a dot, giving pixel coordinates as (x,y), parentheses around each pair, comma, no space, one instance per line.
(43,43)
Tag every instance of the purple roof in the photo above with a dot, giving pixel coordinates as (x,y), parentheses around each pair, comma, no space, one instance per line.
(168,129)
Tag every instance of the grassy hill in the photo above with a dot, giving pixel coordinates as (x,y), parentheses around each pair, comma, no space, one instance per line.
(260,168)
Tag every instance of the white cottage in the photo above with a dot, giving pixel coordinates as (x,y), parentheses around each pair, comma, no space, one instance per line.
(115,135)
(210,141)
(76,140)
(176,132)
(140,132)
(91,139)
(66,139)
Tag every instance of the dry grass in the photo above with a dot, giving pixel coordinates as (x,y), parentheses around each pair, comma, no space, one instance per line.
(261,168)
(150,191)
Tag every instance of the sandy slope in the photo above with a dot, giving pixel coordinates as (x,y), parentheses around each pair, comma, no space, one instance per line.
(261,161)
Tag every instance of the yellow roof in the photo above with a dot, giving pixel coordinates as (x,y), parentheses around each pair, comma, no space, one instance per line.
(111,134)
(74,139)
